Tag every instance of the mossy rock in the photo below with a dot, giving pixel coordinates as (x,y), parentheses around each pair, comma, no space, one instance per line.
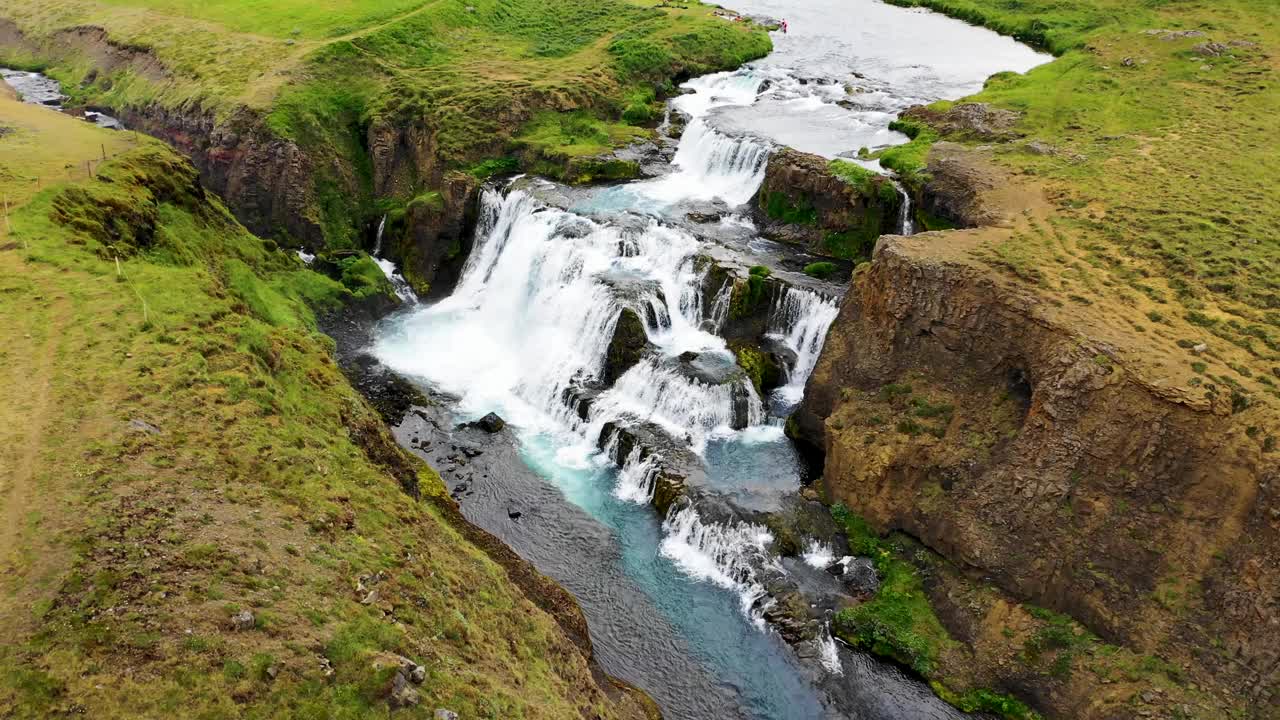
(760,367)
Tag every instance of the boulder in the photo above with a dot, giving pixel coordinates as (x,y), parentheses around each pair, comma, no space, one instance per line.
(491,423)
(626,347)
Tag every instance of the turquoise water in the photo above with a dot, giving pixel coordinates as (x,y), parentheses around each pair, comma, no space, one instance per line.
(754,666)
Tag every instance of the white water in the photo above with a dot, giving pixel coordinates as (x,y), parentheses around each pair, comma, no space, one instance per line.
(530,321)
(828,653)
(908,226)
(800,321)
(719,553)
(818,555)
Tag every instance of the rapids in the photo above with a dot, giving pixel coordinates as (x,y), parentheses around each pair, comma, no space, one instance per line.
(677,605)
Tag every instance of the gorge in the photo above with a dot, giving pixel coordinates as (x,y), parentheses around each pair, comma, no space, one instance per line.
(638,359)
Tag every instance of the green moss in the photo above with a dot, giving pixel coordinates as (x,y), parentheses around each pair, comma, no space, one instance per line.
(362,276)
(898,622)
(764,373)
(821,270)
(495,166)
(871,185)
(746,297)
(854,244)
(779,206)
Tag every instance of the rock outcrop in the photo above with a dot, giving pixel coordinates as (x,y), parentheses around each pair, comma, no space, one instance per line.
(803,201)
(953,407)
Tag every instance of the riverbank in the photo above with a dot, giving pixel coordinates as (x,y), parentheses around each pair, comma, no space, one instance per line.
(1068,400)
(200,511)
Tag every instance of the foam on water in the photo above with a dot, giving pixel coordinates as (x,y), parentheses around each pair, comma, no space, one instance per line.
(719,553)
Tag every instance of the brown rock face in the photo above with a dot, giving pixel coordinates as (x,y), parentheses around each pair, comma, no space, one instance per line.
(802,202)
(1029,455)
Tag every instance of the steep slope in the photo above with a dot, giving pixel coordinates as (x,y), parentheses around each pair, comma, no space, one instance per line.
(1073,403)
(202,518)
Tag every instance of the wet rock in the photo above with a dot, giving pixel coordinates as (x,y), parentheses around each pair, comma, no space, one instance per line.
(702,218)
(858,575)
(514,514)
(243,620)
(626,347)
(491,423)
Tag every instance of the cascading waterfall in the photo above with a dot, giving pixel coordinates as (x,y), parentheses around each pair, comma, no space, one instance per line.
(800,322)
(719,313)
(720,553)
(711,165)
(636,477)
(377,239)
(534,312)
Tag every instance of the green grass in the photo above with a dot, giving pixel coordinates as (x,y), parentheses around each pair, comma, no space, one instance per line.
(270,485)
(1159,174)
(871,185)
(284,18)
(821,269)
(481,79)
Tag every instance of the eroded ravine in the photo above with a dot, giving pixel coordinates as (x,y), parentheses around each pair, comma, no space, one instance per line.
(688,607)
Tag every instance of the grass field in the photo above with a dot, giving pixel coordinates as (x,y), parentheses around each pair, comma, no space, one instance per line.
(177,445)
(1159,121)
(468,76)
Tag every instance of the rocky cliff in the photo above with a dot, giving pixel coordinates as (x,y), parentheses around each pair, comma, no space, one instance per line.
(968,412)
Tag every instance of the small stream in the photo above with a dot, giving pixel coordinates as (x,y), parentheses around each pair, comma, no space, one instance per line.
(37,89)
(676,605)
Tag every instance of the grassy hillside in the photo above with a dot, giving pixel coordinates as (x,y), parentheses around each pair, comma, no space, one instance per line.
(1150,138)
(177,446)
(446,84)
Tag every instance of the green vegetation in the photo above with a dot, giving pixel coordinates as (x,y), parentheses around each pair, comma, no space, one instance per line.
(908,160)
(544,81)
(1139,95)
(871,185)
(821,270)
(898,622)
(780,207)
(746,297)
(192,451)
(762,370)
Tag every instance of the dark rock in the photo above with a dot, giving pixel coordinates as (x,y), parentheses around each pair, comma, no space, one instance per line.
(975,121)
(491,423)
(858,575)
(626,347)
(514,514)
(802,202)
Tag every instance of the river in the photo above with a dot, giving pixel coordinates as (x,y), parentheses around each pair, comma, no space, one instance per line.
(675,605)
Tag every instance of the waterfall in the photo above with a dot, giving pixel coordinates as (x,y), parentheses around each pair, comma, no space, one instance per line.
(686,408)
(635,477)
(828,653)
(904,217)
(377,242)
(818,554)
(719,314)
(535,310)
(720,553)
(711,165)
(800,321)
